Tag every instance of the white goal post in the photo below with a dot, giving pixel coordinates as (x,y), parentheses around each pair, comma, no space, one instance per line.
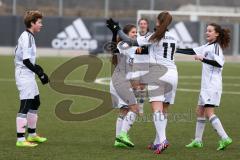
(194,16)
(203,18)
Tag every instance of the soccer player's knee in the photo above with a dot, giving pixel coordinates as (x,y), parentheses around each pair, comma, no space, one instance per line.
(135,109)
(200,112)
(197,113)
(123,111)
(209,111)
(165,106)
(36,104)
(25,106)
(208,114)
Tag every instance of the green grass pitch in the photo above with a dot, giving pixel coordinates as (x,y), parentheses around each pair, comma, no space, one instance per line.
(93,140)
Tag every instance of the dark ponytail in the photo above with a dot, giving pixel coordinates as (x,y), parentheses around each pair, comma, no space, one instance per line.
(164,20)
(224,35)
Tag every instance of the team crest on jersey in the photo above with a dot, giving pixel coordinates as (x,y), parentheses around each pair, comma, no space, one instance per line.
(130,61)
(206,54)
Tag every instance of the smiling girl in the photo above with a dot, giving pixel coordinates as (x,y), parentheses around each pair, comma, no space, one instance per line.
(211,54)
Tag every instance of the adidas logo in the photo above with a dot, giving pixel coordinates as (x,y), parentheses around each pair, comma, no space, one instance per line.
(183,36)
(75,36)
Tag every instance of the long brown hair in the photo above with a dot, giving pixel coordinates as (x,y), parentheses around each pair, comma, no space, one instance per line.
(127,28)
(224,35)
(164,20)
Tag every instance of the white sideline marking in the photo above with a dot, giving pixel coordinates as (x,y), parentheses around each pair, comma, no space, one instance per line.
(195,90)
(198,84)
(13,80)
(199,77)
(106,80)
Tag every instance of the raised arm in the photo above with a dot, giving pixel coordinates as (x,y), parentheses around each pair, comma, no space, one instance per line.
(115,28)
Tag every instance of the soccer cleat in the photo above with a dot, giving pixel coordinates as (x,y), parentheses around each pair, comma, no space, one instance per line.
(164,145)
(223,143)
(195,144)
(36,138)
(152,146)
(119,144)
(25,144)
(123,138)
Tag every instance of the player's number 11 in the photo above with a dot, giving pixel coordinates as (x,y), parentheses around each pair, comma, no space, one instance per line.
(165,46)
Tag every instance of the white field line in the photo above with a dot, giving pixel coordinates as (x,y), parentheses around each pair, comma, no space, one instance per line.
(198,84)
(106,80)
(195,90)
(199,77)
(13,80)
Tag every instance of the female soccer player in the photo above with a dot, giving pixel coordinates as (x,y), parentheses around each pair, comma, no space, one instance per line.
(141,61)
(211,56)
(162,72)
(120,88)
(25,70)
(143,25)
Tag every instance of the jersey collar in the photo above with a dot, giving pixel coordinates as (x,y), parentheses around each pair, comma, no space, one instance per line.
(212,43)
(30,32)
(143,34)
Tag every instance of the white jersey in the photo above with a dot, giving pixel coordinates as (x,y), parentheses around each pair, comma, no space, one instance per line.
(147,34)
(139,58)
(25,78)
(161,52)
(25,49)
(120,84)
(211,76)
(126,57)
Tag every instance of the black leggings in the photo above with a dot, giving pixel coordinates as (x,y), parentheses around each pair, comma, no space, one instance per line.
(27,104)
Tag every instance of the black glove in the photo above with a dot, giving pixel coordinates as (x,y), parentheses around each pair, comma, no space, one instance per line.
(41,75)
(44,78)
(112,25)
(142,50)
